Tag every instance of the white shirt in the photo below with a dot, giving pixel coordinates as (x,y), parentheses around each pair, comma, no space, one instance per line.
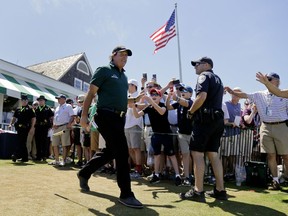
(225,110)
(270,107)
(131,120)
(63,114)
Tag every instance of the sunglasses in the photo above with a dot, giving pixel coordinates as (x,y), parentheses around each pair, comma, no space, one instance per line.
(270,79)
(149,86)
(154,95)
(183,91)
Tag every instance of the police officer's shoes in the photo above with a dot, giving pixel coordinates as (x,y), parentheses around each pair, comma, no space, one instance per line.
(83,183)
(131,202)
(193,196)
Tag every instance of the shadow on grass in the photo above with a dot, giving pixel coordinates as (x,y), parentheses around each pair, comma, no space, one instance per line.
(119,209)
(22,163)
(232,185)
(239,208)
(94,211)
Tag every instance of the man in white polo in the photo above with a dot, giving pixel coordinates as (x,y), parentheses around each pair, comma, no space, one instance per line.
(63,118)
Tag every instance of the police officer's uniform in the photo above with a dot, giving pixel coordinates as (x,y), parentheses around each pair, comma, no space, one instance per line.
(24,117)
(209,119)
(43,123)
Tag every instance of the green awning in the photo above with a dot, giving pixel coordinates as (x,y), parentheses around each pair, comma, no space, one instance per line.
(15,87)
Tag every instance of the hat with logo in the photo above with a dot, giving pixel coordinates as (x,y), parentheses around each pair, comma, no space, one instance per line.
(122,49)
(61,96)
(154,90)
(41,97)
(24,97)
(203,59)
(273,75)
(133,82)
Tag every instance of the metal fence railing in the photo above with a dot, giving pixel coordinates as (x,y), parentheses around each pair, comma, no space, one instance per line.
(5,126)
(239,145)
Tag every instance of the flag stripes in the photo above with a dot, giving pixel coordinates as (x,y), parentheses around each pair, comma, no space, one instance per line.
(162,36)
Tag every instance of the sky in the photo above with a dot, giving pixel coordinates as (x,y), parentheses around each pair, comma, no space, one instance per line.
(242,37)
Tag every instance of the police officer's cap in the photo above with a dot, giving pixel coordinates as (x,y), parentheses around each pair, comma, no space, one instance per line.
(24,97)
(203,59)
(41,97)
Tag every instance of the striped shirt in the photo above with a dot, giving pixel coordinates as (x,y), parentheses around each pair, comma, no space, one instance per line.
(270,107)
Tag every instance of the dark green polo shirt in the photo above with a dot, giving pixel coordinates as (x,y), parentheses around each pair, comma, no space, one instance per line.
(113,87)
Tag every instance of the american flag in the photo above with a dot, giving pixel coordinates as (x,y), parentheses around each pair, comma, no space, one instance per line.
(162,36)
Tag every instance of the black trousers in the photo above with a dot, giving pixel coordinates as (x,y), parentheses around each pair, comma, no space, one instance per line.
(21,149)
(41,133)
(111,127)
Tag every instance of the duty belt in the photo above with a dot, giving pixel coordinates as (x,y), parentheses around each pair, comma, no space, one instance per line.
(22,126)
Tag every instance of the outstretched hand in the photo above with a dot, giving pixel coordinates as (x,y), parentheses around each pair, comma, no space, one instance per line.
(261,78)
(228,89)
(139,96)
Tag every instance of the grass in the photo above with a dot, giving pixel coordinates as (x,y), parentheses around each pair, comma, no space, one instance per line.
(39,189)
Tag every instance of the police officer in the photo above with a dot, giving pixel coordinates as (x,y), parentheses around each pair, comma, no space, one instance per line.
(24,119)
(111,85)
(207,114)
(44,118)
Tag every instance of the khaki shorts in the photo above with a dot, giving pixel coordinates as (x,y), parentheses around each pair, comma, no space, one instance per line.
(94,139)
(133,136)
(63,139)
(184,142)
(102,143)
(147,136)
(274,138)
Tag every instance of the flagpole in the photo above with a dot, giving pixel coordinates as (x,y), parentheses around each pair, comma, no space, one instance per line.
(178,40)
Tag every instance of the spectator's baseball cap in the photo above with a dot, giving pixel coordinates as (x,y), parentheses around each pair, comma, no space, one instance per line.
(24,97)
(80,98)
(121,49)
(203,59)
(69,101)
(186,89)
(35,103)
(154,90)
(133,82)
(273,75)
(61,96)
